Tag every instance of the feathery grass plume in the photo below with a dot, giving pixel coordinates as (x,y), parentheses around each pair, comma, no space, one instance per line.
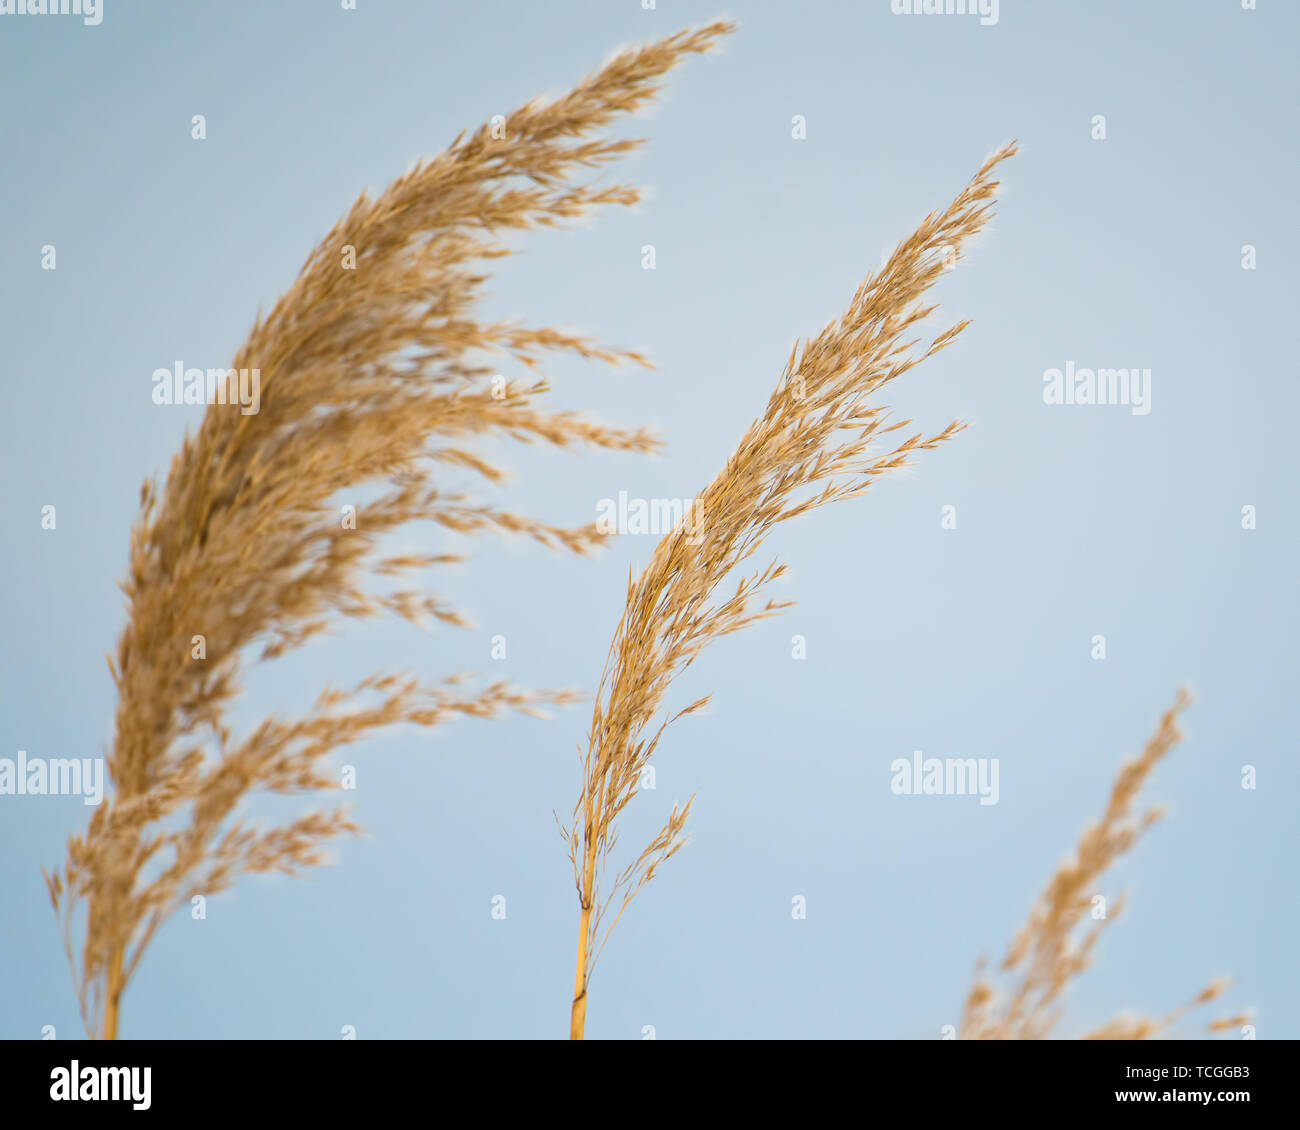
(1050,950)
(373,375)
(814,444)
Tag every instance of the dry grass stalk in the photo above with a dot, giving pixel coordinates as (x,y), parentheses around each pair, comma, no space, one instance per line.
(814,444)
(371,376)
(1052,949)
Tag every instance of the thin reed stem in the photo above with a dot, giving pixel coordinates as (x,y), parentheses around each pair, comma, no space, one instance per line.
(113,992)
(814,444)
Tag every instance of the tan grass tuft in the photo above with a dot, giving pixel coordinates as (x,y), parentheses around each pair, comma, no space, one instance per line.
(814,444)
(1052,949)
(372,377)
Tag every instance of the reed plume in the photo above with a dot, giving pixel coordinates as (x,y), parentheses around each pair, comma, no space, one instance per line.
(1052,949)
(814,444)
(374,374)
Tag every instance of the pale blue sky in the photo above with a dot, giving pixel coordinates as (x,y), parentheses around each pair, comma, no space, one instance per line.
(1073,521)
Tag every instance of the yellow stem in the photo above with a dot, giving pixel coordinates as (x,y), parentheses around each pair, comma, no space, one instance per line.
(578,1017)
(114,992)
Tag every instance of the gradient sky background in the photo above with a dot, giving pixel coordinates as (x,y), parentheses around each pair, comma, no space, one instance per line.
(974,642)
